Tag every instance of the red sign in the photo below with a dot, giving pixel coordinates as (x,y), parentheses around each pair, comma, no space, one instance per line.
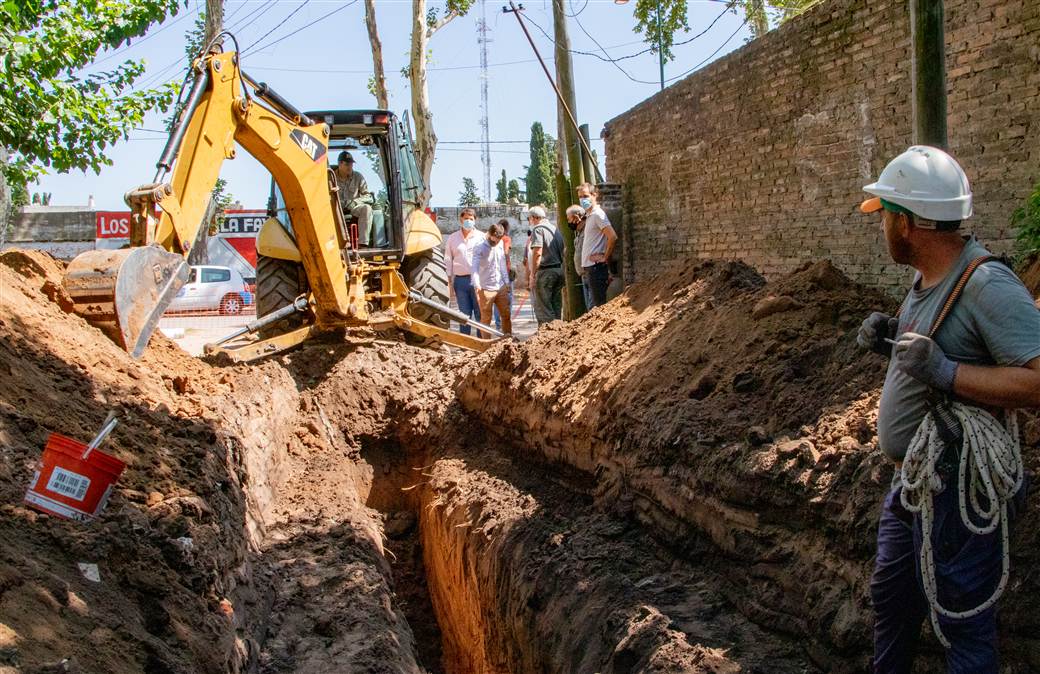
(113,225)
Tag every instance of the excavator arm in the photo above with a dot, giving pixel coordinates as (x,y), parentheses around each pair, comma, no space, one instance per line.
(128,290)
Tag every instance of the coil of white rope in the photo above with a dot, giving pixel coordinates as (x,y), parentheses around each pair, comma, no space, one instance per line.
(990,465)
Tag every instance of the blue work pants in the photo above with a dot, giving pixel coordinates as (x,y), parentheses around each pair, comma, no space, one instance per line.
(967,569)
(466,298)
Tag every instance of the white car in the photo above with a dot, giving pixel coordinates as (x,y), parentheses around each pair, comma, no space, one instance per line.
(211,287)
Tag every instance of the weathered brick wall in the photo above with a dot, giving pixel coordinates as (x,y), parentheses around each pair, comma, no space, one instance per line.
(762,155)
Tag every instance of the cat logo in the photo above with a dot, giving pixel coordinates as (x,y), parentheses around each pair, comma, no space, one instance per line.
(314,148)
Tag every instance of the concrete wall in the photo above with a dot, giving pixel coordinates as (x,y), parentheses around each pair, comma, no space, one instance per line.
(53,223)
(762,155)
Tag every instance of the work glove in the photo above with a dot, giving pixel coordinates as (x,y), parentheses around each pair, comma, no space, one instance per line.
(873,332)
(924,360)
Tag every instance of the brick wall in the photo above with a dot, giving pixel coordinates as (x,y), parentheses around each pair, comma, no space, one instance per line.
(762,155)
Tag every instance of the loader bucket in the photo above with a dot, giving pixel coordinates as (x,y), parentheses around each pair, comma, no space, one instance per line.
(125,292)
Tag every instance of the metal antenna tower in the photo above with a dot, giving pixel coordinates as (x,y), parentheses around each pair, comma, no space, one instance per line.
(485,133)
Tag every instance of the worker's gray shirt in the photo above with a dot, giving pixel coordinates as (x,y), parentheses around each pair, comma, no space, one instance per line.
(994,323)
(351,188)
(579,239)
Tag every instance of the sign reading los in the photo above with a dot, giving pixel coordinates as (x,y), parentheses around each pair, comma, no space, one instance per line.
(113,225)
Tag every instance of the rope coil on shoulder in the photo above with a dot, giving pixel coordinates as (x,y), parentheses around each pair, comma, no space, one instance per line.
(990,466)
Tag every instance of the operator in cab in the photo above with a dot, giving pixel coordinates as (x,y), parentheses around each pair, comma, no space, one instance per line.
(354,197)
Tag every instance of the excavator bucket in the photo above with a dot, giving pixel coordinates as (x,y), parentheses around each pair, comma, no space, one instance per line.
(125,292)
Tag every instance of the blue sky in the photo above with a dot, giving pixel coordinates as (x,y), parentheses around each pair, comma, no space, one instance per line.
(328,65)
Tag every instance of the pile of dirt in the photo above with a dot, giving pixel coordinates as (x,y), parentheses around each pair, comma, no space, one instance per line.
(717,408)
(184,584)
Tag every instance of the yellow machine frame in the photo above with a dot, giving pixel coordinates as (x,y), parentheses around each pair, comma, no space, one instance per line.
(293,149)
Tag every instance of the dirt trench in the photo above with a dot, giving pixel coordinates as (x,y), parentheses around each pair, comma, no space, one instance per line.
(685,480)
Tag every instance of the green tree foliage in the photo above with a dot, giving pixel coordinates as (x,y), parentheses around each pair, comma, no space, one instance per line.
(1026,219)
(53,117)
(541,172)
(513,190)
(502,187)
(759,15)
(468,196)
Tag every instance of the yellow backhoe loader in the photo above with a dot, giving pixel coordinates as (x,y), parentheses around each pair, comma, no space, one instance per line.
(313,272)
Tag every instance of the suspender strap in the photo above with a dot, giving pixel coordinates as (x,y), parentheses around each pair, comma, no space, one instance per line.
(958,289)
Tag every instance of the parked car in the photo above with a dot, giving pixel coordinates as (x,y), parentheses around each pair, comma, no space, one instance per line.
(210,287)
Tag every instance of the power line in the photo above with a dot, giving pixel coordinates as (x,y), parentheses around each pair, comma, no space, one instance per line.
(279,25)
(681,75)
(301,28)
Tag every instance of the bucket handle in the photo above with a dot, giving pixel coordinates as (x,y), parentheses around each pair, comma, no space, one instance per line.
(107,427)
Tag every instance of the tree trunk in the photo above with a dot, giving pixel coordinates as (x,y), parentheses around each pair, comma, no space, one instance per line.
(759,19)
(422,117)
(214,19)
(5,198)
(565,81)
(382,99)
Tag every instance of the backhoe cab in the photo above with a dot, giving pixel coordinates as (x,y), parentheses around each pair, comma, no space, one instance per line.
(398,231)
(314,273)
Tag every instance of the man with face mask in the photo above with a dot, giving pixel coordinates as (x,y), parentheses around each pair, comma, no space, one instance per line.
(597,245)
(458,258)
(964,346)
(354,197)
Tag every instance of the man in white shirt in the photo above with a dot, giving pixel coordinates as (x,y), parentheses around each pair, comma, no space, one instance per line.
(458,258)
(597,246)
(490,275)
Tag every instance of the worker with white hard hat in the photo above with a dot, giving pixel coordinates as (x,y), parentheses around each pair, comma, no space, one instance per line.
(965,345)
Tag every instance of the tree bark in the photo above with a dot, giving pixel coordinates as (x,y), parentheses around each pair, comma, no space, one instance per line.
(378,74)
(5,198)
(574,303)
(214,19)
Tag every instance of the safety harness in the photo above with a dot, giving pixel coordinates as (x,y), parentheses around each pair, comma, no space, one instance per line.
(989,472)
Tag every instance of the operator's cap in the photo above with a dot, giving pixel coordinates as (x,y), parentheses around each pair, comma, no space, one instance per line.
(537,212)
(345,157)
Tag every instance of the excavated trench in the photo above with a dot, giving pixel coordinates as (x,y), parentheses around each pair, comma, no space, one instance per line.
(482,561)
(692,490)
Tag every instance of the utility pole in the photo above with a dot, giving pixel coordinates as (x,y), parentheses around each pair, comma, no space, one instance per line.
(485,130)
(928,48)
(565,79)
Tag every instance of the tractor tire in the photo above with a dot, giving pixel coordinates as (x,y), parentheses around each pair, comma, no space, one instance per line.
(278,283)
(425,273)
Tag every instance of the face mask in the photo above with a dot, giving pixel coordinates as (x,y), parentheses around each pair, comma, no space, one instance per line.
(585,202)
(468,224)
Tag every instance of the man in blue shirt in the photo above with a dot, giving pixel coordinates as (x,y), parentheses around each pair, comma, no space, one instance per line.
(490,275)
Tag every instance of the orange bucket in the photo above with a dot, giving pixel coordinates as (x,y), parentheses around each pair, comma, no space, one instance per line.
(72,482)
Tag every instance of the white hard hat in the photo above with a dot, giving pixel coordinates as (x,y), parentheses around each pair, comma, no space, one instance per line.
(927,182)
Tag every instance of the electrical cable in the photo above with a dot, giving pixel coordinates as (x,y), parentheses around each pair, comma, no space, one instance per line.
(279,25)
(128,45)
(711,56)
(301,28)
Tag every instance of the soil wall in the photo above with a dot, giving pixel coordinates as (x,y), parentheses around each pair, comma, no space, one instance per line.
(735,419)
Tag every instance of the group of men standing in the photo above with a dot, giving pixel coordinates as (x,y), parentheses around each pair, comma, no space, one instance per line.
(481,276)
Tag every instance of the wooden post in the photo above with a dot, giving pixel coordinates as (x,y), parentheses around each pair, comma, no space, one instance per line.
(573,303)
(928,47)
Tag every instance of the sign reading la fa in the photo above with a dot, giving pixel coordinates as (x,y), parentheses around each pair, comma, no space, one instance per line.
(242,223)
